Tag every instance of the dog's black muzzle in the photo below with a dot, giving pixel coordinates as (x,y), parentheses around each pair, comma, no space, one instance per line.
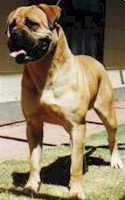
(25,48)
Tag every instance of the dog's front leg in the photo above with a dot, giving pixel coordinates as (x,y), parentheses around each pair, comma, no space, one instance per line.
(76,170)
(35,139)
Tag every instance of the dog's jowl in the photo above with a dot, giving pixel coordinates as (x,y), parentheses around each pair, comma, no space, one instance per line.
(59,88)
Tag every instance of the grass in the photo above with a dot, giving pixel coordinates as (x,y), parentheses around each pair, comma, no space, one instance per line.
(100,181)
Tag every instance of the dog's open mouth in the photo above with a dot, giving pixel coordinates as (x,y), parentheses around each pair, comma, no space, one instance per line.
(20,55)
(30,53)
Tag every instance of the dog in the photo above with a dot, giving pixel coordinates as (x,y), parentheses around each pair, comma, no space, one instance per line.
(58,87)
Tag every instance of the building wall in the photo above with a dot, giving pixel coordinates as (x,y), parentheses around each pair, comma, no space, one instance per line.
(10,87)
(7,64)
(114,45)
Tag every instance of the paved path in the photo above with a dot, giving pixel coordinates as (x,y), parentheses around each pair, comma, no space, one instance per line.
(13,140)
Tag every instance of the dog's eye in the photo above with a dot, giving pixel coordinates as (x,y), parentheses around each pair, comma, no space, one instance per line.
(31,25)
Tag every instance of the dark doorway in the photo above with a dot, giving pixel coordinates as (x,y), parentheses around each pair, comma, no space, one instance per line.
(83,22)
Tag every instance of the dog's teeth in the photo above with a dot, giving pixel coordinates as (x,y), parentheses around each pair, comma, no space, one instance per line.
(14,54)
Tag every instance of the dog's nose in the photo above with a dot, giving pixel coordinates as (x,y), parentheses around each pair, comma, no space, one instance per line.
(16,34)
(16,40)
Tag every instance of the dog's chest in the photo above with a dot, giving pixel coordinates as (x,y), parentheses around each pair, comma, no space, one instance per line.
(59,99)
(48,108)
(57,102)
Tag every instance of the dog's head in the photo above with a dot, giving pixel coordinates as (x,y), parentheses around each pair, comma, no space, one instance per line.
(30,31)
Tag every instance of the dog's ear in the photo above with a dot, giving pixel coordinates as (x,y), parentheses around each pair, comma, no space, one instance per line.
(53,13)
(7,23)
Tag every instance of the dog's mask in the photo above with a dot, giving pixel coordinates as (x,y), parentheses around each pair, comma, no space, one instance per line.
(30,31)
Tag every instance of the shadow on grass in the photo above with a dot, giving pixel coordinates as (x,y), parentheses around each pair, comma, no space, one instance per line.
(58,172)
(21,193)
(123,198)
(91,160)
(121,146)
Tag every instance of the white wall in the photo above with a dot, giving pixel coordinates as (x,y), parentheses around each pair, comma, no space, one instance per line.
(115,77)
(10,87)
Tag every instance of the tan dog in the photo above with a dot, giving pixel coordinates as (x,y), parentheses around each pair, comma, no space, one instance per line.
(58,88)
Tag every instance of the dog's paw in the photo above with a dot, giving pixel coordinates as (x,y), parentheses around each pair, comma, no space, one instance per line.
(116,161)
(77,194)
(76,190)
(33,184)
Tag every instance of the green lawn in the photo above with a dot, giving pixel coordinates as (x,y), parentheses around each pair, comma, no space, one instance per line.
(100,181)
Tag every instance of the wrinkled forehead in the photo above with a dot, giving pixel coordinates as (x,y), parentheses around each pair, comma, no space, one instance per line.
(34,13)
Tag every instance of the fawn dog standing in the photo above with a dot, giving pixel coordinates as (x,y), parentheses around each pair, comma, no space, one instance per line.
(59,88)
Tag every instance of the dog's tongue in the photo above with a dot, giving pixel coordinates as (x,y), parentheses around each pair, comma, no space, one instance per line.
(14,54)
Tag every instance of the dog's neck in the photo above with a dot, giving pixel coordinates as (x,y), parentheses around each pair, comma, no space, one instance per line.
(62,52)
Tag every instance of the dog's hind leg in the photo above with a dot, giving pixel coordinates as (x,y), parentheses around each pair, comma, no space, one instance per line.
(35,139)
(104,107)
